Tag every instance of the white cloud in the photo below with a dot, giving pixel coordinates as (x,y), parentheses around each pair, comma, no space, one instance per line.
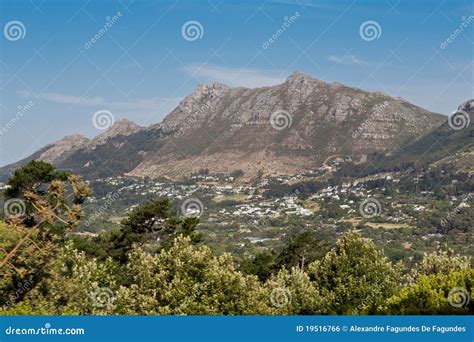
(346,59)
(69,99)
(152,105)
(234,77)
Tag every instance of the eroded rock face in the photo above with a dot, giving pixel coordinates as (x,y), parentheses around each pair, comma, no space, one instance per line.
(122,127)
(60,149)
(65,148)
(319,120)
(467,106)
(282,129)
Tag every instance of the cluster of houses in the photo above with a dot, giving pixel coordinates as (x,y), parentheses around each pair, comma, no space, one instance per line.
(268,208)
(4,186)
(336,192)
(253,206)
(249,203)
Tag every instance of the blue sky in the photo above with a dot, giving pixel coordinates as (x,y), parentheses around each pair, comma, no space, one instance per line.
(142,65)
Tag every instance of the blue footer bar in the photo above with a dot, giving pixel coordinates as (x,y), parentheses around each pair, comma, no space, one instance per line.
(237,328)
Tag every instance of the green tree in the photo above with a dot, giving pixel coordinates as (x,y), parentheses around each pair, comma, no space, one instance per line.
(33,178)
(301,250)
(291,292)
(442,283)
(435,294)
(443,262)
(186,279)
(153,220)
(72,284)
(147,217)
(355,276)
(262,265)
(27,250)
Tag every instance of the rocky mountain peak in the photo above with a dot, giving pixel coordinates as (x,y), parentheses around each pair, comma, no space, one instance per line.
(299,78)
(467,105)
(63,146)
(120,127)
(124,126)
(73,138)
(213,89)
(195,105)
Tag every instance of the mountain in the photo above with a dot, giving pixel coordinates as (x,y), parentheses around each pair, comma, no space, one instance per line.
(451,144)
(55,153)
(67,153)
(282,129)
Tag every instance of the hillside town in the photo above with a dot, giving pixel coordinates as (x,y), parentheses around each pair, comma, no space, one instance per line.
(245,217)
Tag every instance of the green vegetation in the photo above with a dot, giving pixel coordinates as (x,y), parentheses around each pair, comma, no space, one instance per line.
(156,263)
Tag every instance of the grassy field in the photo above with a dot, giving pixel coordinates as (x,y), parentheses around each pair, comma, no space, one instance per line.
(388,225)
(355,222)
(311,205)
(233,197)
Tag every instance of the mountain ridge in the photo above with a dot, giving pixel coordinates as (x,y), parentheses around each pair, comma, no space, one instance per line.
(225,129)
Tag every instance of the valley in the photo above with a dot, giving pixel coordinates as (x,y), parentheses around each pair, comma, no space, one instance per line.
(405,213)
(335,159)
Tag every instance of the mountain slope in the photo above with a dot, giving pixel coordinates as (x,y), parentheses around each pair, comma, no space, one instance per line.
(223,129)
(450,144)
(55,153)
(283,129)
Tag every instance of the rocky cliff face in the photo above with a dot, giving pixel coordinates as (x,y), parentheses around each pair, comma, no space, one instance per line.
(282,129)
(467,106)
(123,127)
(61,149)
(286,128)
(452,143)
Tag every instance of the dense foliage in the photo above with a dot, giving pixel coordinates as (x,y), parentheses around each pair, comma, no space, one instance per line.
(155,263)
